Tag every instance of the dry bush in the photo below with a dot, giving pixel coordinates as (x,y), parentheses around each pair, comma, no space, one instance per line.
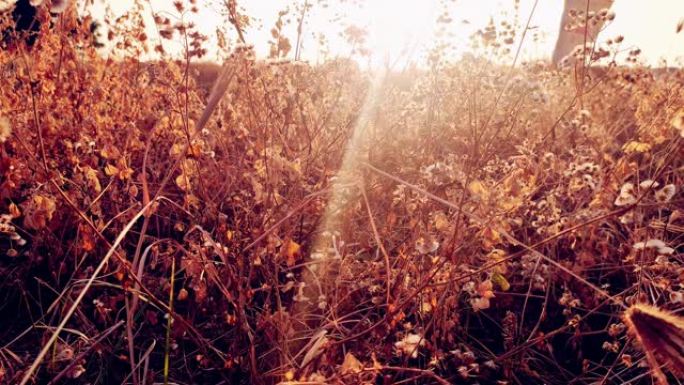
(468,224)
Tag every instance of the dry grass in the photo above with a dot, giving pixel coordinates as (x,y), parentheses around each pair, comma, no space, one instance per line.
(469,224)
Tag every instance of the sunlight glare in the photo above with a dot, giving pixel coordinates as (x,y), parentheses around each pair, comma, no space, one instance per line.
(397,28)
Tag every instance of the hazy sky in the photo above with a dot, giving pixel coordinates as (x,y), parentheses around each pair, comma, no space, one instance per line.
(395,24)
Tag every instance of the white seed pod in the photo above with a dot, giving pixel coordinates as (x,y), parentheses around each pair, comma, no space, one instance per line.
(666,193)
(649,184)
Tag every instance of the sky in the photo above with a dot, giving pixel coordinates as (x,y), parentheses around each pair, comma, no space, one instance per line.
(394,25)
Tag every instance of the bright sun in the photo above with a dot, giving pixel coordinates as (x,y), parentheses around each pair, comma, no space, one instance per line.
(398,27)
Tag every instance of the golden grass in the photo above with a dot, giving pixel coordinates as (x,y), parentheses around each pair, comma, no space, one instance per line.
(322,224)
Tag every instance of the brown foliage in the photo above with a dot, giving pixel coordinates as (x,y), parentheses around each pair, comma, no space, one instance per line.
(470,223)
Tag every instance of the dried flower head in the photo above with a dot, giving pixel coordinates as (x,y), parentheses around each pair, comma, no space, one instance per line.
(665,194)
(483,293)
(426,245)
(661,336)
(626,196)
(409,344)
(656,244)
(649,184)
(56,6)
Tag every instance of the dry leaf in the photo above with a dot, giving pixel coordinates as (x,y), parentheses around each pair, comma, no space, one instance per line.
(111,170)
(376,364)
(110,152)
(499,280)
(5,129)
(88,241)
(291,250)
(441,221)
(195,150)
(351,364)
(315,347)
(490,237)
(176,149)
(183,182)
(14,211)
(92,180)
(38,211)
(636,147)
(125,173)
(478,189)
(678,122)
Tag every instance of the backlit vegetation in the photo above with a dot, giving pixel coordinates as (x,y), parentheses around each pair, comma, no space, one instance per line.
(468,223)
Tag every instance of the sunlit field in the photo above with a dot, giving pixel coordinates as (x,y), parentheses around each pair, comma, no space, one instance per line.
(341,192)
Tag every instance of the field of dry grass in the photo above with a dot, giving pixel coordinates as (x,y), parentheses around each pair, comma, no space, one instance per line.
(471,224)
